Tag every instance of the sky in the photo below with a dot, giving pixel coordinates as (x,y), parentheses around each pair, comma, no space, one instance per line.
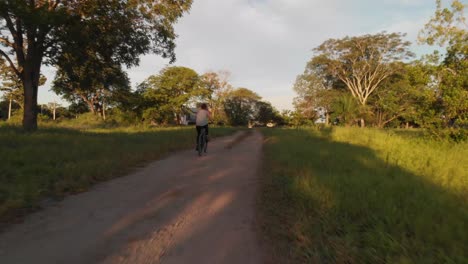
(265,44)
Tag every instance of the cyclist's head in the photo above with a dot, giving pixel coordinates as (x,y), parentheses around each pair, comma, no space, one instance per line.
(204,106)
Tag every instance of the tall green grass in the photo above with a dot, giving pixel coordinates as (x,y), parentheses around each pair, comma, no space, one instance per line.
(53,161)
(364,196)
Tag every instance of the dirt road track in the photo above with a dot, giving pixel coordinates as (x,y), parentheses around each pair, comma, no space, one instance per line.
(183,209)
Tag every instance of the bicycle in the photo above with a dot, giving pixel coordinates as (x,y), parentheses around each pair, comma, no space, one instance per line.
(202,142)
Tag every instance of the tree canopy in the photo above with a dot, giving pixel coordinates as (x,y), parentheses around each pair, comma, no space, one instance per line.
(218,86)
(448,28)
(240,106)
(37,32)
(362,62)
(170,93)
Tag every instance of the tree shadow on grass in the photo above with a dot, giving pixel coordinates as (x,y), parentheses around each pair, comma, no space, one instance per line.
(341,203)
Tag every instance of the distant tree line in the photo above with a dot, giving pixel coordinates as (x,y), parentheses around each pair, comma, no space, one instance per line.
(371,79)
(162,99)
(89,43)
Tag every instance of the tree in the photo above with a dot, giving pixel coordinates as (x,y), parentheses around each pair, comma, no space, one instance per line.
(170,93)
(240,106)
(53,106)
(345,109)
(7,109)
(33,30)
(93,82)
(266,113)
(91,70)
(77,108)
(217,83)
(308,86)
(402,95)
(362,62)
(316,90)
(453,80)
(295,118)
(286,117)
(448,28)
(11,86)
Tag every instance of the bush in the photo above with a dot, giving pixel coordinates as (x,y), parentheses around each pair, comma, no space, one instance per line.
(88,121)
(124,118)
(450,134)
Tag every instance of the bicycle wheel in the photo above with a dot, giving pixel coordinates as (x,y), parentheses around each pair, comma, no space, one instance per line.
(201,142)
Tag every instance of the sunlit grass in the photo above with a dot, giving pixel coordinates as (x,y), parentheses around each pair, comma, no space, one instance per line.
(56,161)
(365,196)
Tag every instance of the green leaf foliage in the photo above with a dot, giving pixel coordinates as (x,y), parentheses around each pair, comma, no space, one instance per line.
(240,106)
(116,31)
(169,94)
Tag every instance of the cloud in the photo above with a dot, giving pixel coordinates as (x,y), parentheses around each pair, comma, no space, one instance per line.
(265,44)
(406,3)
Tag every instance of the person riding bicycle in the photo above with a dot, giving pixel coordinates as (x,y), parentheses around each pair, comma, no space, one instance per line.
(203,117)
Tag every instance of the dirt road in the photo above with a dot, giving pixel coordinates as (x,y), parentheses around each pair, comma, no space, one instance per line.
(183,209)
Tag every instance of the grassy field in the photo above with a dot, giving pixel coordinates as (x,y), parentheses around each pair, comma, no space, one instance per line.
(55,161)
(364,196)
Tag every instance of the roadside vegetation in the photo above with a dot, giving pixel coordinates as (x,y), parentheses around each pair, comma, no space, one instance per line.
(334,195)
(105,127)
(375,80)
(56,161)
(350,195)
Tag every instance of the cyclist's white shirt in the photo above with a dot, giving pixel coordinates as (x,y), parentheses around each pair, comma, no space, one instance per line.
(202,117)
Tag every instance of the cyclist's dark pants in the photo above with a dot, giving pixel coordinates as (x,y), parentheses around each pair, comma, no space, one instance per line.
(199,128)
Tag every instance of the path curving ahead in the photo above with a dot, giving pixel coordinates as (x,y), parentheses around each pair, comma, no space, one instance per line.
(183,209)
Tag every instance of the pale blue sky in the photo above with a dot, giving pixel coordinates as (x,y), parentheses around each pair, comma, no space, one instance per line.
(265,44)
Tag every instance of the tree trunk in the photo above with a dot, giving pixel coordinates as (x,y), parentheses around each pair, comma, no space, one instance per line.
(103,109)
(178,119)
(379,119)
(54,110)
(362,123)
(407,125)
(213,109)
(9,109)
(327,118)
(30,84)
(90,104)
